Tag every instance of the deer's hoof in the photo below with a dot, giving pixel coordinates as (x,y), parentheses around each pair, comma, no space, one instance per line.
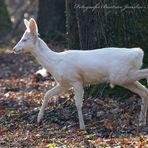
(142,122)
(82,127)
(40,116)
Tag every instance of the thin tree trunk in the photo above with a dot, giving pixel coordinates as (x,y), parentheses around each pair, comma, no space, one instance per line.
(72,26)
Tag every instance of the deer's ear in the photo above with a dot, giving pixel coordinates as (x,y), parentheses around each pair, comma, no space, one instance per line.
(33,27)
(26,22)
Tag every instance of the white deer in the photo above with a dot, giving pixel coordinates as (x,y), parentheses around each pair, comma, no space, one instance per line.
(75,68)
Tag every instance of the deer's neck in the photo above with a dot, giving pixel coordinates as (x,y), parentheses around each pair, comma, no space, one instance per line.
(45,56)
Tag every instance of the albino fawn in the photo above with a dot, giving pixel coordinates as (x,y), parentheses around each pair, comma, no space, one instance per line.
(75,68)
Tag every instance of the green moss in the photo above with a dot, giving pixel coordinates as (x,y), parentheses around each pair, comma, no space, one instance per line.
(104,90)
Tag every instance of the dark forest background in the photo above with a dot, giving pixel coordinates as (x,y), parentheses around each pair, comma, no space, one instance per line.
(85,24)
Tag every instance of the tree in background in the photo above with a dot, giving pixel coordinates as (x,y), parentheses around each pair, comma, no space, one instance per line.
(71,25)
(100,27)
(5,21)
(18,10)
(51,20)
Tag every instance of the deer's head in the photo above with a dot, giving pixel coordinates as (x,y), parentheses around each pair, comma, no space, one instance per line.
(29,38)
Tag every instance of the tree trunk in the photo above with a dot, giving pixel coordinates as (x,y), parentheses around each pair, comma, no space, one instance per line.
(72,26)
(51,20)
(5,22)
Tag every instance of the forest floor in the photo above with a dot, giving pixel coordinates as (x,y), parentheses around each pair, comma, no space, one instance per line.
(110,122)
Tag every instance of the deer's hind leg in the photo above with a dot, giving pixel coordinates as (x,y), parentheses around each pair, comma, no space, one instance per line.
(139,74)
(142,91)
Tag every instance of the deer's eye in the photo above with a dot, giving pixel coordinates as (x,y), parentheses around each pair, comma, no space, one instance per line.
(24,40)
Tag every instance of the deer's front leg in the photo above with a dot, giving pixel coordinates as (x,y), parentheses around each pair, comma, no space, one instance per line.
(54,91)
(79,91)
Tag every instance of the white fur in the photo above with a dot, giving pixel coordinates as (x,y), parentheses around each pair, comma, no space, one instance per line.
(75,68)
